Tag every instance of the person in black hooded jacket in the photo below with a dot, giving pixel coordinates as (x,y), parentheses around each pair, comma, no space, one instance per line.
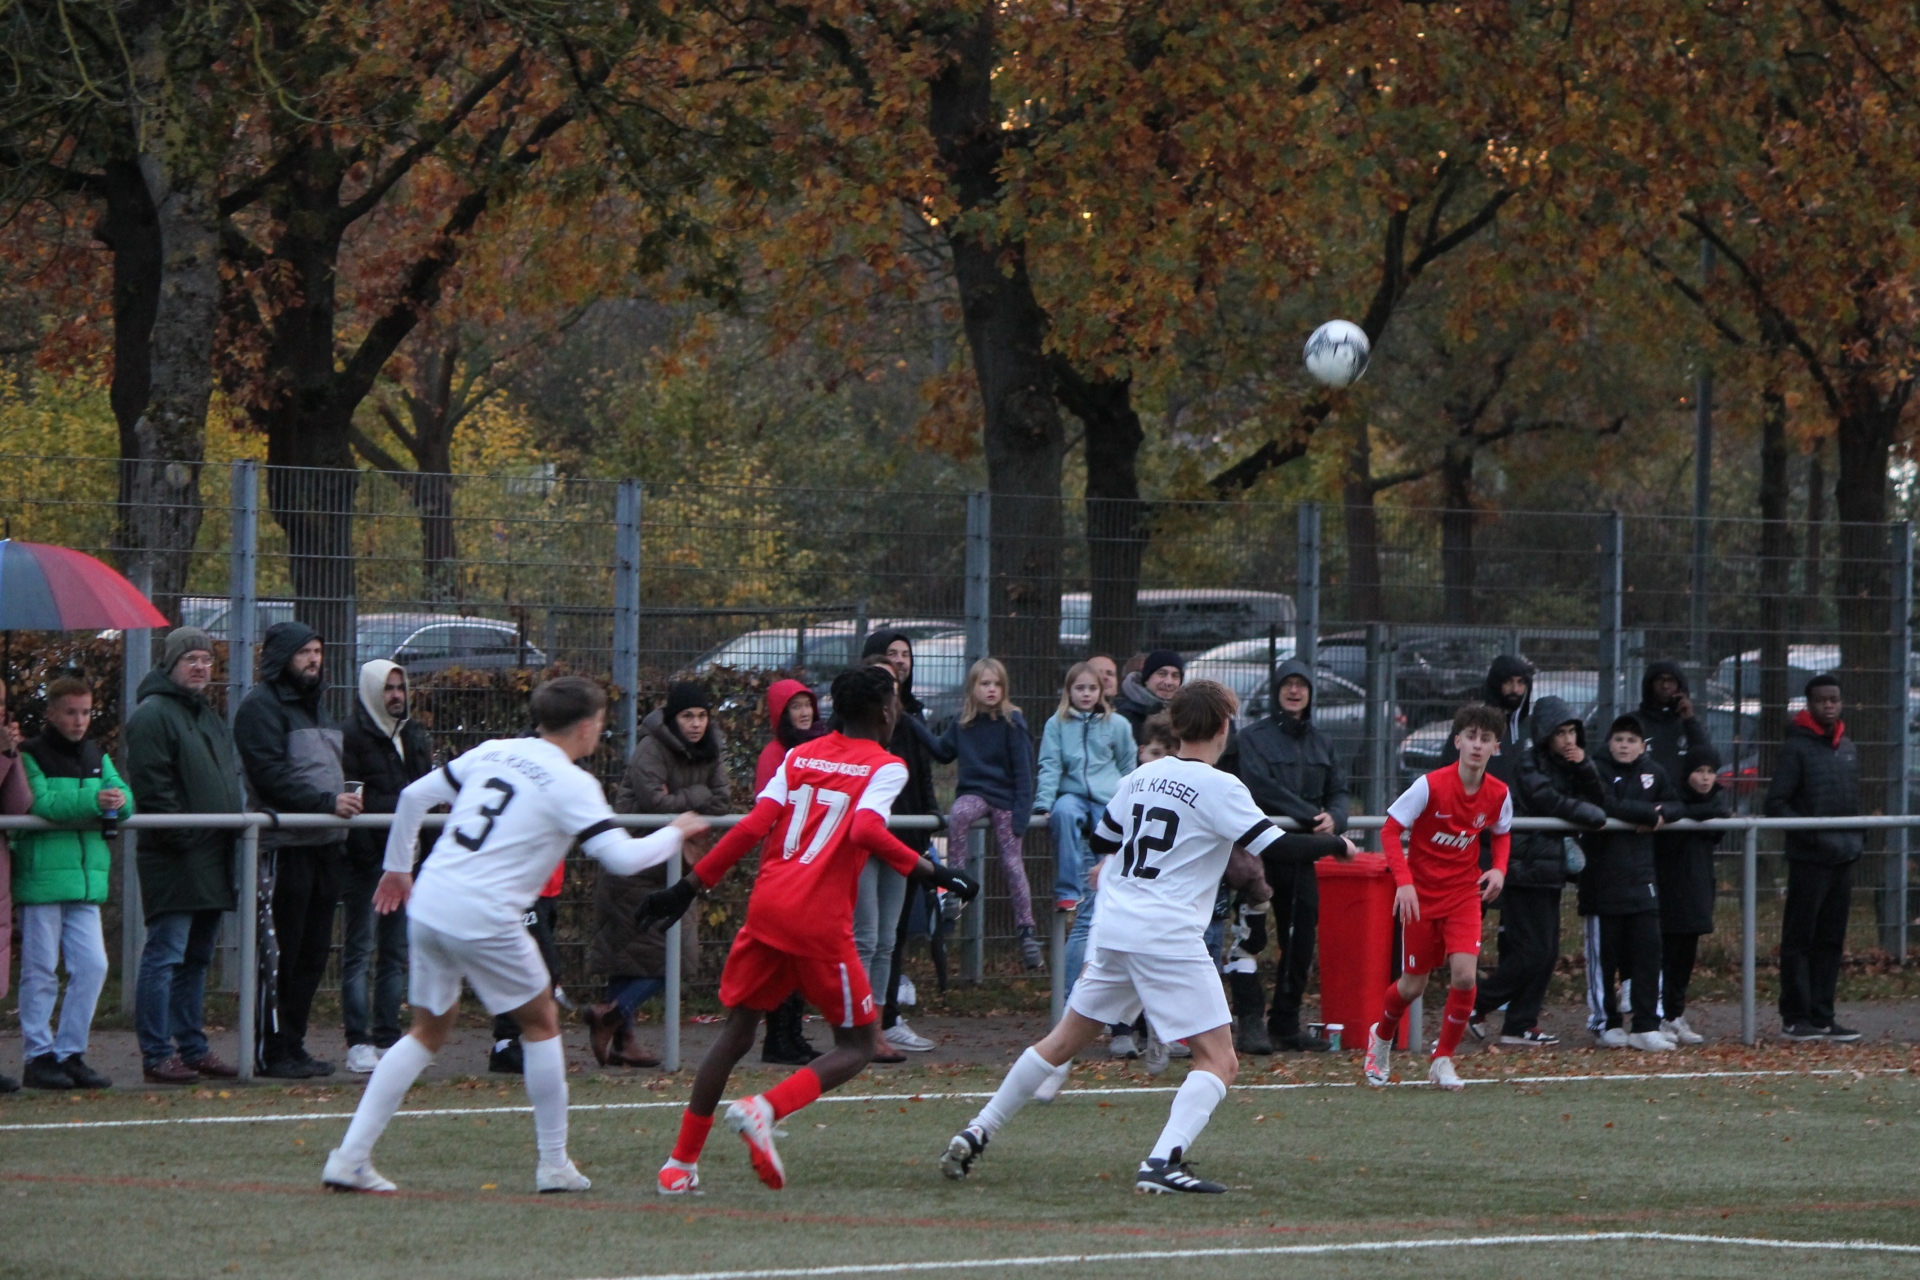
(1684,867)
(1552,775)
(1666,712)
(1509,687)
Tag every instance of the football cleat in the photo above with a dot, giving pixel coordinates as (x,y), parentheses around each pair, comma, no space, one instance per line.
(1050,1087)
(1441,1072)
(1159,1177)
(675,1181)
(752,1119)
(957,1161)
(1378,1065)
(549,1178)
(342,1174)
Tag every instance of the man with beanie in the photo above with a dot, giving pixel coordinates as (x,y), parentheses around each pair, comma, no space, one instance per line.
(384,749)
(1817,776)
(292,750)
(180,759)
(1144,693)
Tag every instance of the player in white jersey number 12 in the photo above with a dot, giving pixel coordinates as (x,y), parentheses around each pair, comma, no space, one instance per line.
(1169,832)
(518,805)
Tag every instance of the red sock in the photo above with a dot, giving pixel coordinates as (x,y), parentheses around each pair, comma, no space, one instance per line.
(1396,1005)
(693,1137)
(793,1093)
(1454,1023)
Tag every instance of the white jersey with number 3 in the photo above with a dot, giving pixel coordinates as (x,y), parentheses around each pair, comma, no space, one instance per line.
(1175,821)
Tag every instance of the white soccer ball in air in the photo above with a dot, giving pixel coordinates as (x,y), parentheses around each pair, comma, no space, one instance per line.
(1337,353)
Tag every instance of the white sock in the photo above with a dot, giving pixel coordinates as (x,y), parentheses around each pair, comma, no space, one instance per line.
(546,1068)
(1192,1108)
(399,1067)
(1014,1092)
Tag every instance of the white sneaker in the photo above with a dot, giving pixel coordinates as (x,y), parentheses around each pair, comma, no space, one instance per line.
(363,1058)
(1612,1038)
(562,1177)
(1441,1072)
(343,1174)
(1156,1058)
(1678,1029)
(907,995)
(903,1037)
(1378,1065)
(1650,1042)
(1121,1046)
(1050,1087)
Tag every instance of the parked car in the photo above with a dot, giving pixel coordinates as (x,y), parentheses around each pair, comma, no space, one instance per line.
(1185,620)
(1339,705)
(427,642)
(212,614)
(821,651)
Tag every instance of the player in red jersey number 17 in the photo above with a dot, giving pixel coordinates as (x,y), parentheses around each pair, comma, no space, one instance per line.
(830,800)
(1440,887)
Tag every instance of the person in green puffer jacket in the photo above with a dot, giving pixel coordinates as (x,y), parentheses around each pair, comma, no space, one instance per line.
(60,878)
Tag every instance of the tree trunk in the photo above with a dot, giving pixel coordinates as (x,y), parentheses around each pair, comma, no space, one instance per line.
(1865,438)
(1118,527)
(1364,602)
(1457,566)
(131,232)
(1776,554)
(1812,577)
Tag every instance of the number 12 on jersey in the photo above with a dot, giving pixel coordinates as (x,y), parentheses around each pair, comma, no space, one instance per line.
(833,806)
(1133,854)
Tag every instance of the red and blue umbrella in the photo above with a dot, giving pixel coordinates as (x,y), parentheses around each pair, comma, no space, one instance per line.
(45,588)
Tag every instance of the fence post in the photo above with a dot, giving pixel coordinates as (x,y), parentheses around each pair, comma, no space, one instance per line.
(1057,962)
(670,1010)
(1306,600)
(1893,932)
(137,660)
(249,914)
(1376,719)
(243,632)
(626,609)
(979,570)
(973,961)
(1612,556)
(1749,895)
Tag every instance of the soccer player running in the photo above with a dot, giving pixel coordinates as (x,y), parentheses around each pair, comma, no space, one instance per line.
(1440,886)
(830,799)
(518,806)
(1174,823)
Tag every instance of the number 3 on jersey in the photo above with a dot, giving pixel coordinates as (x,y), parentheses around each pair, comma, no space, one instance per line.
(832,810)
(1133,854)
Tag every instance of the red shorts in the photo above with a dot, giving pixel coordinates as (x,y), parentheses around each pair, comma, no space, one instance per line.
(1426,943)
(760,976)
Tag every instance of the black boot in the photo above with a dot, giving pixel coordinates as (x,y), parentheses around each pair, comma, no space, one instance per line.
(785,1044)
(1250,1035)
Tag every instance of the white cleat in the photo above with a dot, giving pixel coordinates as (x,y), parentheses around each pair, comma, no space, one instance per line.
(1678,1030)
(1441,1072)
(549,1178)
(1050,1087)
(752,1119)
(342,1174)
(1378,1065)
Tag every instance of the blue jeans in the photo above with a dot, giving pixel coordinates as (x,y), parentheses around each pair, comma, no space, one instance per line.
(1082,923)
(1071,822)
(629,993)
(48,934)
(361,929)
(171,999)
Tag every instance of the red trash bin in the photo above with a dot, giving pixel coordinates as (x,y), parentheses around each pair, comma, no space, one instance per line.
(1356,944)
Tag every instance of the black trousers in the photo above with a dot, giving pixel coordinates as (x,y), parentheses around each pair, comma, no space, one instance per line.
(1630,950)
(1677,953)
(1296,923)
(1529,947)
(540,925)
(1813,935)
(306,890)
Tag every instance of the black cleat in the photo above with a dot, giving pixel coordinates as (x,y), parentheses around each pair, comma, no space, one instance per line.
(1159,1177)
(957,1161)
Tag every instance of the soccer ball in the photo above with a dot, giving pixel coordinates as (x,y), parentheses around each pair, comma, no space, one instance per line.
(1337,353)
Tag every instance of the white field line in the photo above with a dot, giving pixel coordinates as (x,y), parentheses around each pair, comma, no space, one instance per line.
(1285,1250)
(425,1113)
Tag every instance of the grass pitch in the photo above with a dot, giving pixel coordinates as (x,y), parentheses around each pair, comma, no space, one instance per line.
(1804,1157)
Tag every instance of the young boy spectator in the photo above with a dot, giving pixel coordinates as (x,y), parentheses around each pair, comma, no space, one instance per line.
(1619,885)
(60,880)
(1685,871)
(1440,887)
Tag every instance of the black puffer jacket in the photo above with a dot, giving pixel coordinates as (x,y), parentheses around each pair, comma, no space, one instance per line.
(1550,786)
(1620,879)
(1685,862)
(289,744)
(1290,765)
(1669,736)
(370,758)
(1817,776)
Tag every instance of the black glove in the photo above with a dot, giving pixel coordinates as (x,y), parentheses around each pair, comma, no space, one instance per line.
(958,883)
(665,906)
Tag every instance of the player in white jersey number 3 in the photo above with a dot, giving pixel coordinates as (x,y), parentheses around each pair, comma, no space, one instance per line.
(518,805)
(1168,833)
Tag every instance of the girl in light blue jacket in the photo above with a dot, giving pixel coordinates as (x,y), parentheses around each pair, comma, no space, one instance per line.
(1084,752)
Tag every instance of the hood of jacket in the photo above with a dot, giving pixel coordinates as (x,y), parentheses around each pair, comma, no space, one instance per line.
(1549,714)
(779,694)
(1654,671)
(1135,694)
(711,746)
(1292,667)
(373,696)
(877,644)
(1504,668)
(282,641)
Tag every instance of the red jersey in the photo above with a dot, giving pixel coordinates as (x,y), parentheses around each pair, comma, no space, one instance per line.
(1447,824)
(826,807)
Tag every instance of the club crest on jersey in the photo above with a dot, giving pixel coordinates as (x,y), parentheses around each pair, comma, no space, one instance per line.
(1646,782)
(1479,820)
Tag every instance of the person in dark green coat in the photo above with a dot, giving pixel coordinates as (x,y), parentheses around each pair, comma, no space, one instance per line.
(60,879)
(181,759)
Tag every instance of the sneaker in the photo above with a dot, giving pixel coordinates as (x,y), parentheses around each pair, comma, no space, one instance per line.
(675,1181)
(286,1069)
(1650,1042)
(214,1067)
(957,1161)
(1612,1038)
(362,1058)
(1441,1072)
(1159,1177)
(752,1119)
(1050,1087)
(906,997)
(1030,955)
(44,1072)
(1156,1059)
(1792,1031)
(1678,1029)
(1477,1026)
(82,1075)
(1122,1046)
(1179,1049)
(1833,1031)
(316,1066)
(549,1178)
(902,1036)
(506,1059)
(342,1174)
(1301,1042)
(1532,1036)
(172,1071)
(1378,1067)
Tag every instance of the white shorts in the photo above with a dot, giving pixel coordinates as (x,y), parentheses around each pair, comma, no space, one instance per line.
(505,971)
(1182,995)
